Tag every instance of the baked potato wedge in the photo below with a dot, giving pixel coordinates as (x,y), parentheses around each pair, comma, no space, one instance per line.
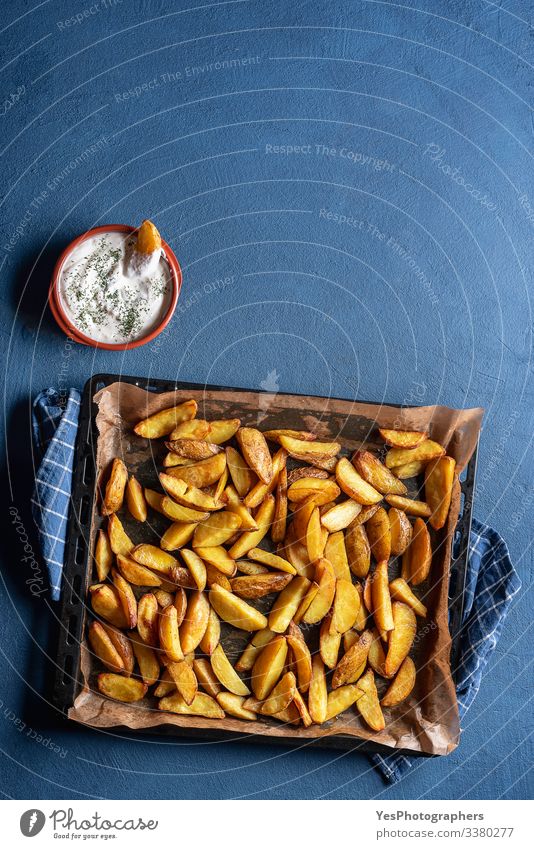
(257,586)
(318,692)
(279,523)
(191,429)
(106,603)
(148,619)
(322,491)
(217,556)
(135,499)
(281,695)
(368,705)
(341,699)
(178,513)
(206,677)
(221,430)
(192,449)
(257,494)
(300,655)
(271,560)
(400,530)
(417,559)
(424,452)
(169,633)
(336,552)
(251,539)
(268,666)
(358,550)
(104,649)
(346,606)
(119,540)
(379,535)
(114,494)
(147,660)
(286,604)
(201,474)
(185,680)
(376,474)
(402,685)
(381,598)
(352,664)
(195,621)
(234,610)
(212,634)
(120,688)
(202,705)
(256,452)
(439,480)
(326,579)
(234,504)
(400,590)
(243,478)
(409,505)
(402,438)
(401,638)
(234,706)
(103,555)
(177,535)
(162,423)
(329,642)
(196,566)
(341,515)
(136,574)
(126,598)
(353,485)
(216,529)
(226,674)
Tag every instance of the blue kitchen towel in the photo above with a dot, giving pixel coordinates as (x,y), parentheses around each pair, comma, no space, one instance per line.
(491,581)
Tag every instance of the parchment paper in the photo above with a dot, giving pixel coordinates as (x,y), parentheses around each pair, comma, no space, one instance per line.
(428,720)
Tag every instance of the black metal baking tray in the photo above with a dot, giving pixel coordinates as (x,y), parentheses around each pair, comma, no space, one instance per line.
(77,565)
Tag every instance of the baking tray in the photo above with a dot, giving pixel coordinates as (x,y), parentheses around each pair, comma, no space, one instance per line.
(77,565)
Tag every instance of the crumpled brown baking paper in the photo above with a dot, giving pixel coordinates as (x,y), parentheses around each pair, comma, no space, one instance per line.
(428,720)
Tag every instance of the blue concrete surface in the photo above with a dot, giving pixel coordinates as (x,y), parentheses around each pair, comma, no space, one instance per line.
(348,187)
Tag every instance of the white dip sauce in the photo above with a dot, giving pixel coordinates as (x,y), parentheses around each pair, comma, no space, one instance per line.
(110,292)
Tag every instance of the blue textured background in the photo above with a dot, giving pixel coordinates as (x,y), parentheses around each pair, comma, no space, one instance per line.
(390,257)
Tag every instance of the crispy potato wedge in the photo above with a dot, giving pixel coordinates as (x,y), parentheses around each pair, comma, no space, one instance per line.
(325,577)
(221,430)
(376,474)
(301,657)
(164,598)
(297,554)
(329,643)
(103,556)
(352,664)
(195,621)
(301,519)
(314,538)
(135,499)
(417,559)
(119,540)
(212,634)
(358,550)
(377,656)
(126,598)
(188,496)
(336,553)
(123,645)
(381,597)
(256,495)
(401,638)
(309,451)
(251,539)
(346,606)
(214,576)
(281,695)
(248,567)
(178,513)
(218,490)
(379,535)
(361,618)
(400,591)
(154,499)
(185,679)
(217,556)
(104,648)
(147,661)
(439,480)
(353,485)
(234,610)
(341,699)
(165,685)
(402,685)
(226,673)
(402,438)
(409,505)
(257,586)
(318,693)
(424,452)
(268,666)
(154,558)
(177,535)
(275,435)
(311,592)
(365,514)
(106,604)
(172,459)
(252,649)
(114,494)
(217,529)
(196,566)
(306,472)
(202,705)
(367,593)
(400,529)
(234,505)
(120,688)
(256,452)
(191,429)
(206,677)
(286,604)
(322,491)
(192,449)
(233,705)
(180,602)
(271,560)
(148,619)
(368,705)
(409,470)
(201,474)
(300,704)
(137,574)
(169,633)
(340,516)
(162,423)
(242,475)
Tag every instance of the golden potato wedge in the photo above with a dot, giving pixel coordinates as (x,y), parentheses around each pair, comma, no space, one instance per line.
(271,560)
(148,239)
(180,602)
(217,556)
(409,470)
(376,474)
(218,490)
(402,438)
(336,553)
(172,459)
(379,535)
(329,642)
(162,423)
(256,495)
(126,598)
(257,586)
(103,556)
(439,480)
(147,660)
(361,618)
(221,430)
(214,576)
(165,685)
(358,550)
(178,513)
(137,574)
(278,528)
(233,705)
(350,638)
(148,619)
(104,648)
(120,688)
(196,566)
(377,656)
(268,666)
(417,559)
(314,538)
(311,592)
(368,705)
(346,606)
(409,505)
(367,593)
(400,529)
(192,449)
(154,499)
(401,638)
(365,514)
(325,577)
(281,695)
(177,535)
(195,621)
(256,452)
(353,485)
(309,451)
(402,685)
(352,664)
(275,435)
(206,677)
(107,605)
(251,539)
(212,634)
(341,699)
(248,567)
(234,504)
(318,693)
(191,429)
(154,558)
(123,645)
(185,679)
(242,475)
(301,656)
(400,591)
(188,496)
(381,598)
(322,491)
(169,633)
(234,610)
(340,515)
(226,674)
(306,472)
(297,554)
(119,540)
(164,598)
(217,529)
(114,494)
(135,499)
(201,474)
(424,452)
(202,705)
(300,704)
(252,649)
(286,605)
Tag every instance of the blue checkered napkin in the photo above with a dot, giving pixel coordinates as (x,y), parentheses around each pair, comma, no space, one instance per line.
(55,424)
(491,584)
